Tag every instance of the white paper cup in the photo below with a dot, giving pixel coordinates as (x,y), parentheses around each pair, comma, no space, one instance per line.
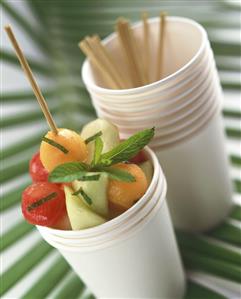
(140,260)
(141,263)
(190,120)
(177,132)
(189,131)
(195,158)
(160,104)
(102,239)
(197,170)
(160,101)
(166,117)
(164,109)
(193,79)
(179,32)
(120,221)
(157,178)
(171,124)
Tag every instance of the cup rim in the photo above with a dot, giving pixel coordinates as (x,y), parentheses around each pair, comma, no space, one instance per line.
(158,113)
(157,174)
(200,79)
(103,90)
(117,238)
(116,225)
(130,222)
(132,99)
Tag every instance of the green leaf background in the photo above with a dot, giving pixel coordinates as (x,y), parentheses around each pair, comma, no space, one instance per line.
(31,268)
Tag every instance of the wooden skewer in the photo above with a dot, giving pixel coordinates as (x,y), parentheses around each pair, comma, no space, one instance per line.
(160,53)
(89,52)
(29,74)
(146,45)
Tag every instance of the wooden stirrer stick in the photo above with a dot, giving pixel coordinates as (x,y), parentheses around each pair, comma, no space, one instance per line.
(109,61)
(127,42)
(146,45)
(29,74)
(88,51)
(160,53)
(95,45)
(126,51)
(136,55)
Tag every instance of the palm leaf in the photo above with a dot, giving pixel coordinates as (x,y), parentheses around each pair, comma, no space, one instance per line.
(30,259)
(236,214)
(72,288)
(16,169)
(61,24)
(36,66)
(48,281)
(15,233)
(195,291)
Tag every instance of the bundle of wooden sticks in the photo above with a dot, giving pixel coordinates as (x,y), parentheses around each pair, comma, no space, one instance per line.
(137,65)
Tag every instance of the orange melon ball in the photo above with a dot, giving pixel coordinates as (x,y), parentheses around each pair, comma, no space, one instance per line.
(125,194)
(51,156)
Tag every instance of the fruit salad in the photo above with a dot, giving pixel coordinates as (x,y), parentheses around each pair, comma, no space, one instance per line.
(83,180)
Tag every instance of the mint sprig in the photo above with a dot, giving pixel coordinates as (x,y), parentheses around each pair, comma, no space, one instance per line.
(68,172)
(128,148)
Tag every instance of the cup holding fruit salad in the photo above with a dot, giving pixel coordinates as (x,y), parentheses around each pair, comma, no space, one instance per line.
(81,181)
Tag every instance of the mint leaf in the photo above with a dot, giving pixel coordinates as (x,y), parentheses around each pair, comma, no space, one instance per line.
(55,144)
(68,172)
(128,148)
(84,195)
(118,174)
(92,138)
(98,150)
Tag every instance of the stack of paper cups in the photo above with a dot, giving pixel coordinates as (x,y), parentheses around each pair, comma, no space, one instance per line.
(184,107)
(134,255)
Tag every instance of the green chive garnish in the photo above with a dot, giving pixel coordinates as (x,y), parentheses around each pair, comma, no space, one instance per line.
(55,144)
(84,195)
(92,138)
(41,201)
(94,177)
